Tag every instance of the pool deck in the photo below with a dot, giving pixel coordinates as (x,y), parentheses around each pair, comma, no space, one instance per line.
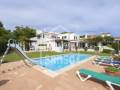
(18,76)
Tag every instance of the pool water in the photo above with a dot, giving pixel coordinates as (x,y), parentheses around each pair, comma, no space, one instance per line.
(55,63)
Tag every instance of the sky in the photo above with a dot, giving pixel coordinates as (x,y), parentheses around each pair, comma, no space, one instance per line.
(78,16)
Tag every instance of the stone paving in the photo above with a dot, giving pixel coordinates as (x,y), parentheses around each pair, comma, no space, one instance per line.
(18,76)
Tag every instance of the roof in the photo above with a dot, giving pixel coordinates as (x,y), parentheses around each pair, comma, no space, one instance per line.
(66,32)
(106,33)
(117,38)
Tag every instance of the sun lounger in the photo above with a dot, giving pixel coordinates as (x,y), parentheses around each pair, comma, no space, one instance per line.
(110,80)
(101,59)
(107,63)
(104,57)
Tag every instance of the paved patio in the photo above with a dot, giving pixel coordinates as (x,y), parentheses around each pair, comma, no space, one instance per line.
(18,76)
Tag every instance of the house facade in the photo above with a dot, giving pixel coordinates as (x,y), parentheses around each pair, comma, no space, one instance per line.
(49,41)
(46,41)
(67,41)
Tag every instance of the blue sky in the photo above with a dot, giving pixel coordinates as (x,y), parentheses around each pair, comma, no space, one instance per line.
(79,16)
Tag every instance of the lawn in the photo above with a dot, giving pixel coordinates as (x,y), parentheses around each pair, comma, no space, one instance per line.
(15,57)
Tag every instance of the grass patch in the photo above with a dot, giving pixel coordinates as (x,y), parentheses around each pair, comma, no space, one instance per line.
(42,54)
(11,57)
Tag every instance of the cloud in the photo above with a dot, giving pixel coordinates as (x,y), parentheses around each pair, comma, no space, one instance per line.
(79,16)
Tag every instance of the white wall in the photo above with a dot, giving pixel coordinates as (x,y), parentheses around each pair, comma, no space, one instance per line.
(69,36)
(50,42)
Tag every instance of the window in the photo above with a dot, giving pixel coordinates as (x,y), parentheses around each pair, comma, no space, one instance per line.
(64,37)
(42,45)
(58,44)
(75,38)
(53,36)
(39,36)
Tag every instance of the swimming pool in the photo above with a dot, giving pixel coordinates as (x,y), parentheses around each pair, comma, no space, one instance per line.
(56,63)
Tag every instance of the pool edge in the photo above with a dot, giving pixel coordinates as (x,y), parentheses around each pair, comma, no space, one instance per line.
(54,74)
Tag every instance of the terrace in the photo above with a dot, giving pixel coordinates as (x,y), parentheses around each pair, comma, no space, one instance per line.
(18,76)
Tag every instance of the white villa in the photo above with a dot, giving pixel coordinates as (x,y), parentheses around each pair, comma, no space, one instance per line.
(67,41)
(49,41)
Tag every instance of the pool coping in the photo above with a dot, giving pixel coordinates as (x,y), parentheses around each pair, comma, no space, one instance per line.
(59,72)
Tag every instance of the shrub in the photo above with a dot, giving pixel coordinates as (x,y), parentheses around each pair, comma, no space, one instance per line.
(115,46)
(106,51)
(111,69)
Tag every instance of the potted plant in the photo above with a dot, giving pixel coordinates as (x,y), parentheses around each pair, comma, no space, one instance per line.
(111,70)
(117,58)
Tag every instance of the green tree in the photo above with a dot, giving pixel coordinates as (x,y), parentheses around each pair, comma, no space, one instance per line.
(4,37)
(98,39)
(104,40)
(23,34)
(116,46)
(95,41)
(108,40)
(1,24)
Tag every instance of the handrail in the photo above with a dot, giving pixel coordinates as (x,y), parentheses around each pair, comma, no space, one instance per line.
(12,43)
(9,41)
(8,47)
